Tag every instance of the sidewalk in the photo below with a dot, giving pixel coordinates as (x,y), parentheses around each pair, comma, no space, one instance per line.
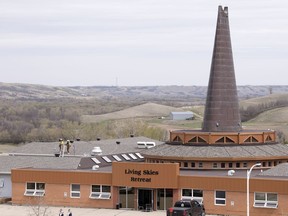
(12,210)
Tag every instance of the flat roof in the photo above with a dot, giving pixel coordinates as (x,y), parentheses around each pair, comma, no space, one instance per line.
(9,162)
(42,154)
(84,148)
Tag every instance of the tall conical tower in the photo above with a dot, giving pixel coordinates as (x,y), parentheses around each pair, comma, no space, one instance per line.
(222,123)
(222,106)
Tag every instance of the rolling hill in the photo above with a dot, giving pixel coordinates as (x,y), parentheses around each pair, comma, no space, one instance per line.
(143,110)
(193,94)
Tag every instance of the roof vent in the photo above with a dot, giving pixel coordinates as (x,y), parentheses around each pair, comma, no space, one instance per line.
(96,151)
(142,144)
(117,142)
(95,167)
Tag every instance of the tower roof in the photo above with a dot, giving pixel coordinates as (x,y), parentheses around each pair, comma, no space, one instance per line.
(222,106)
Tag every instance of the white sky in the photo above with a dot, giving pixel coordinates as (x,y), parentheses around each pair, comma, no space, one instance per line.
(138,42)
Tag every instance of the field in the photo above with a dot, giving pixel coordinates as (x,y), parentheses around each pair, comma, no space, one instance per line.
(158,115)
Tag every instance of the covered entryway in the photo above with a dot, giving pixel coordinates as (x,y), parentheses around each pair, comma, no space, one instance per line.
(145,199)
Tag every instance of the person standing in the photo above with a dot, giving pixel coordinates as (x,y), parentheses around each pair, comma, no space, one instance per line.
(61,213)
(69,213)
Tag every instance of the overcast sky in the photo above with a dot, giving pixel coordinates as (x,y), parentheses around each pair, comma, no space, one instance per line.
(139,42)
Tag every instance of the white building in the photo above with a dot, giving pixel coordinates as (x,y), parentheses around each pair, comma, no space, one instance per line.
(181,115)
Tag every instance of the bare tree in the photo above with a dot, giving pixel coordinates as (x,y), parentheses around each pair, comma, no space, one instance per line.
(37,207)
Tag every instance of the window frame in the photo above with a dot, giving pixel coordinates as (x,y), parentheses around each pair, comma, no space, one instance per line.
(265,202)
(75,193)
(102,192)
(217,199)
(37,189)
(192,197)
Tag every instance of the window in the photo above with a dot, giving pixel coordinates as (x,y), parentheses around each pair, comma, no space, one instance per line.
(192,194)
(265,200)
(220,198)
(126,157)
(230,165)
(139,155)
(237,165)
(132,156)
(215,165)
(96,161)
(75,191)
(117,158)
(222,165)
(35,189)
(185,164)
(106,159)
(192,164)
(200,165)
(100,192)
(245,164)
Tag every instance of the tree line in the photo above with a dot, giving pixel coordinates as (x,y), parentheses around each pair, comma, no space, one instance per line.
(254,110)
(27,120)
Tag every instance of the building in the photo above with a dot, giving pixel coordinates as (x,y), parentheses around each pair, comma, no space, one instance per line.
(181,115)
(42,155)
(214,165)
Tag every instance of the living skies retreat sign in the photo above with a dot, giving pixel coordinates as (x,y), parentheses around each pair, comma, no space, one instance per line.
(149,175)
(141,175)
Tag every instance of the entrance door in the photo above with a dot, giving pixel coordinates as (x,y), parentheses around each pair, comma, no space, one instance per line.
(145,199)
(164,199)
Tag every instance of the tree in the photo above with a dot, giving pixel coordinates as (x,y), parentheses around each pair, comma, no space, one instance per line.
(37,207)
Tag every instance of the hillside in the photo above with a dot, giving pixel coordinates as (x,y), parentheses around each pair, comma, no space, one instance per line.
(144,110)
(192,94)
(36,112)
(277,116)
(271,98)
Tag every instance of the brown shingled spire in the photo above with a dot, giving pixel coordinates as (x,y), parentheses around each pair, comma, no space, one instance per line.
(222,107)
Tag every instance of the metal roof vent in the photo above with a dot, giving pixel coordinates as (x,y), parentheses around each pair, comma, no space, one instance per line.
(95,167)
(96,151)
